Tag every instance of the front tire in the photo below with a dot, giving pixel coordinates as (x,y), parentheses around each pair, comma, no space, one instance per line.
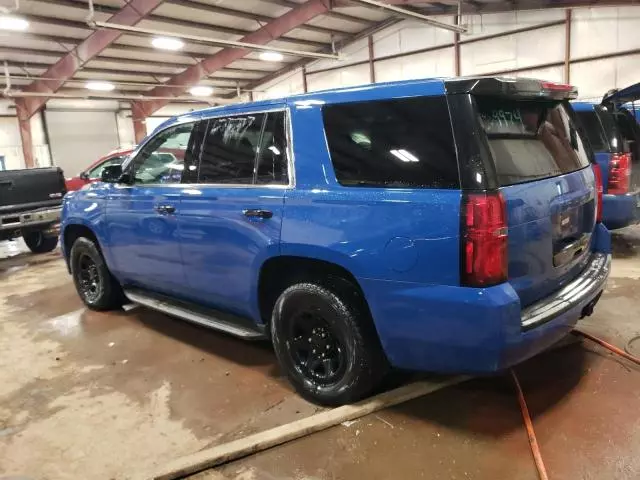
(38,242)
(97,288)
(327,345)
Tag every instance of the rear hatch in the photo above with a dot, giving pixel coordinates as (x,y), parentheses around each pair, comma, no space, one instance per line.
(29,189)
(537,160)
(614,102)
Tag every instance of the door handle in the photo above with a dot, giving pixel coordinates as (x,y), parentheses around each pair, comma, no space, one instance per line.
(165,209)
(258,213)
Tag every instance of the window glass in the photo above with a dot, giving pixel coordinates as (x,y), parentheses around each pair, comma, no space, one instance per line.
(162,159)
(530,139)
(395,143)
(230,149)
(96,172)
(272,159)
(593,129)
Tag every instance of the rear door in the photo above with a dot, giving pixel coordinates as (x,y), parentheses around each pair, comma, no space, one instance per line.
(232,215)
(603,135)
(543,170)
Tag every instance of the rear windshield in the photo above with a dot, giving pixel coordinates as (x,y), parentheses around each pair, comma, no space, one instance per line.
(530,139)
(399,143)
(593,128)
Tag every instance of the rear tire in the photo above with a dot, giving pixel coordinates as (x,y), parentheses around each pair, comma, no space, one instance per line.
(38,242)
(97,288)
(327,345)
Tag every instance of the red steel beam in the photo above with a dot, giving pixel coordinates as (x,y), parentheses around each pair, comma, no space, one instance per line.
(269,32)
(90,47)
(24,123)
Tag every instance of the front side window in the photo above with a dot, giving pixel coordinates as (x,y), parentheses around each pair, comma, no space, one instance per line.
(399,143)
(162,159)
(96,172)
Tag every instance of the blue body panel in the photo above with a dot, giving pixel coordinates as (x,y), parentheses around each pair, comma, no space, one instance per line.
(618,211)
(401,245)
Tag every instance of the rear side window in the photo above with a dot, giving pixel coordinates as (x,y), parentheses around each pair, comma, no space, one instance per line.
(593,128)
(399,143)
(531,139)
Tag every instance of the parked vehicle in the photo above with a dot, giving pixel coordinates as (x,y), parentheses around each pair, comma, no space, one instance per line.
(94,172)
(30,206)
(441,225)
(614,135)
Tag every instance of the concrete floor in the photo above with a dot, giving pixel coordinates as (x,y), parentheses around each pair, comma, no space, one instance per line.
(106,396)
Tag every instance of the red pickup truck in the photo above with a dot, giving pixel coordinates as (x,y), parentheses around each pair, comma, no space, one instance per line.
(92,174)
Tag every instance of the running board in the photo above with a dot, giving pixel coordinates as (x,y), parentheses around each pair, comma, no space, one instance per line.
(224,322)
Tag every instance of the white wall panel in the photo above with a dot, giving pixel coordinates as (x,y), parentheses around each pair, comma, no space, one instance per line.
(536,47)
(78,138)
(417,36)
(388,70)
(628,30)
(492,55)
(552,74)
(324,80)
(594,31)
(627,71)
(10,144)
(437,63)
(593,79)
(357,52)
(356,75)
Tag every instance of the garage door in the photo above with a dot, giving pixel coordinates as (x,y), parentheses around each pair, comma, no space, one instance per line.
(79,138)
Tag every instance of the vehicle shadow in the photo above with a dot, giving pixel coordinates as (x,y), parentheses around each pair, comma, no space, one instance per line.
(241,352)
(625,243)
(488,406)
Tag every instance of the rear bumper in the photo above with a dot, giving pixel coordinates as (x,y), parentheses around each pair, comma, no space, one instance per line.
(619,211)
(457,329)
(33,218)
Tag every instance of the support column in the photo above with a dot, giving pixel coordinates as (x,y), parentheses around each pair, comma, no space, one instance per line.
(456,48)
(372,67)
(567,47)
(24,123)
(305,85)
(139,126)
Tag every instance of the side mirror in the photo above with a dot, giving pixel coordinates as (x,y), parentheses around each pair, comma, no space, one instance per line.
(111,174)
(84,176)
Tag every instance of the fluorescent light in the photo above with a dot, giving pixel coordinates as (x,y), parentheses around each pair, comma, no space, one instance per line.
(274,150)
(271,56)
(201,91)
(167,43)
(100,86)
(8,22)
(404,156)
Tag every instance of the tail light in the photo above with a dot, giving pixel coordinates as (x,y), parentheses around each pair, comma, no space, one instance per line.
(619,173)
(598,174)
(484,239)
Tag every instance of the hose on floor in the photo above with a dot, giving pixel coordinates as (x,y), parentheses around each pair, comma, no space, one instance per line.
(533,441)
(608,346)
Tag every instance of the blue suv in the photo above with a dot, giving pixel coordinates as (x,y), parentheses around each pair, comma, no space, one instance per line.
(614,135)
(440,225)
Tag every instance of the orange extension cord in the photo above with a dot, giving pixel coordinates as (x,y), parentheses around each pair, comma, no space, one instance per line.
(535,449)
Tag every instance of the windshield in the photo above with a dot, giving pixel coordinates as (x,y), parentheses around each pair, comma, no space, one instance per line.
(531,139)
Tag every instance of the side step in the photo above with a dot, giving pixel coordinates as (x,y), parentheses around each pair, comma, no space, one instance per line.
(224,322)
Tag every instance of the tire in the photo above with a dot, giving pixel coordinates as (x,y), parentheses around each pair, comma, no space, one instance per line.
(311,318)
(38,242)
(95,285)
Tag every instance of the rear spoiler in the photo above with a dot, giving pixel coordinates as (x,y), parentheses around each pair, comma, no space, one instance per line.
(618,96)
(525,88)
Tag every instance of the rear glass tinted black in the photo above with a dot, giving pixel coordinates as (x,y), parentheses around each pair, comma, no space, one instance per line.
(531,139)
(593,128)
(399,143)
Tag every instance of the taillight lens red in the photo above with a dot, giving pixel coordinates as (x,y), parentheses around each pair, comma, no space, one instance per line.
(484,239)
(598,174)
(619,173)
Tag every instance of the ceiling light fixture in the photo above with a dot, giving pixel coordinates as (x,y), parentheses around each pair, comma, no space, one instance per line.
(167,43)
(17,24)
(271,56)
(201,91)
(100,86)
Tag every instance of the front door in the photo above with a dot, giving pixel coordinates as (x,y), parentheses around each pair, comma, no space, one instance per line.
(230,220)
(142,214)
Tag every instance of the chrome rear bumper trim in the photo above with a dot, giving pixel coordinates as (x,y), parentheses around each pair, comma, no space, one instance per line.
(592,280)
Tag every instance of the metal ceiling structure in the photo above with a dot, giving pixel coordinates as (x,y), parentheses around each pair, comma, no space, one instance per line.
(61,50)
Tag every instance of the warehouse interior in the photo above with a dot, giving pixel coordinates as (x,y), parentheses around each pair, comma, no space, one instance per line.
(132,392)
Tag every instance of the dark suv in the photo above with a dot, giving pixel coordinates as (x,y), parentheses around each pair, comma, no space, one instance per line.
(435,225)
